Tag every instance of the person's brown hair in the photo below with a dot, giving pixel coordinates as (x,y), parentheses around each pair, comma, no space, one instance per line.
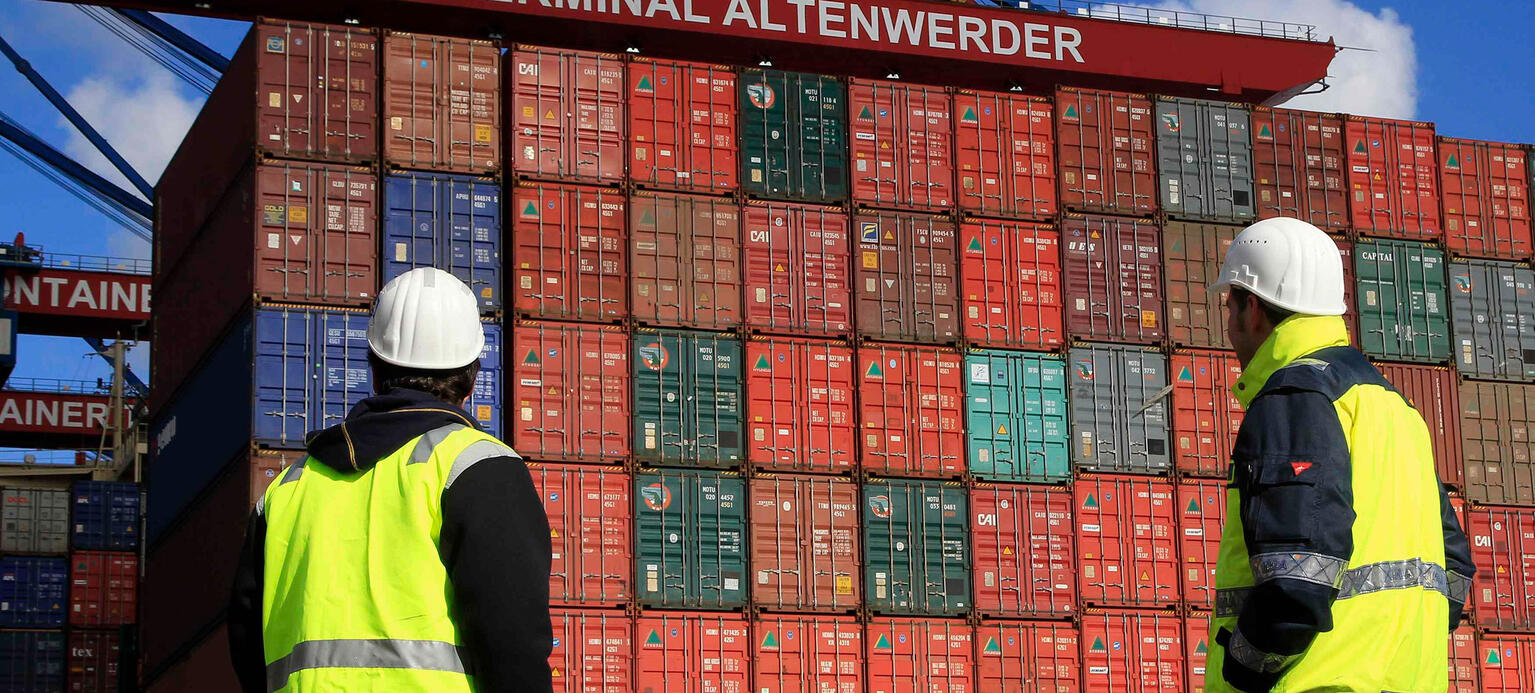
(451,385)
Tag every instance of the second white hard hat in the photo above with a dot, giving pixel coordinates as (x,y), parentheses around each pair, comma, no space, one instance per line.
(1288,263)
(427,319)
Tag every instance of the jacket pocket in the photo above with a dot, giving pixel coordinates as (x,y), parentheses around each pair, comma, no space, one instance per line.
(1283,501)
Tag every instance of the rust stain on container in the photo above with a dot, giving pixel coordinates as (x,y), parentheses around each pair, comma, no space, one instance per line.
(902,145)
(905,269)
(1005,150)
(800,404)
(1299,168)
(803,535)
(1105,151)
(1433,392)
(1012,284)
(1496,423)
(685,258)
(797,275)
(567,115)
(568,252)
(442,103)
(682,125)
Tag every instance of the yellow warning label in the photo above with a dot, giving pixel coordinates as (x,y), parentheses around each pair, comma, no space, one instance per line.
(1144,576)
(844,584)
(871,260)
(274,100)
(549,115)
(298,215)
(528,112)
(482,133)
(889,236)
(1148,318)
(482,412)
(555,672)
(553,391)
(554,534)
(1007,551)
(778,267)
(884,145)
(1001,429)
(1093,235)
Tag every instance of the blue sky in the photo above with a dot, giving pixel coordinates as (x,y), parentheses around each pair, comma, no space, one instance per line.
(1464,65)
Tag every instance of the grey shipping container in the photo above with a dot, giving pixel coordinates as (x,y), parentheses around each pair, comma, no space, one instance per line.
(1205,159)
(36,520)
(1493,310)
(1402,311)
(793,136)
(690,539)
(1119,400)
(1497,422)
(916,547)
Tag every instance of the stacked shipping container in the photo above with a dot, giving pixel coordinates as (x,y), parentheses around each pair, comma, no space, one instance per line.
(792,354)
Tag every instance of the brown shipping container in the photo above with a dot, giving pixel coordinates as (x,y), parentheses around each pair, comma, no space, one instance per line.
(1104,142)
(1005,149)
(1496,423)
(796,260)
(685,261)
(804,543)
(189,570)
(567,115)
(204,667)
(1194,252)
(292,90)
(1024,555)
(682,125)
(902,145)
(1206,416)
(1028,657)
(1298,166)
(1486,198)
(591,526)
(593,651)
(568,252)
(1011,274)
(800,404)
(569,392)
(1432,391)
(442,103)
(1112,274)
(905,279)
(93,660)
(287,232)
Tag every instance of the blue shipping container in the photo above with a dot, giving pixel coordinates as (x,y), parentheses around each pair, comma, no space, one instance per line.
(106,516)
(33,592)
(310,368)
(1015,406)
(32,662)
(449,222)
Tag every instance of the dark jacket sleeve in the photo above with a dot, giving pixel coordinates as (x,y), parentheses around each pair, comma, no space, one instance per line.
(244,616)
(495,544)
(1294,480)
(1457,559)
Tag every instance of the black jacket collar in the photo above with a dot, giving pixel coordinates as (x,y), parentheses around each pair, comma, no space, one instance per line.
(378,426)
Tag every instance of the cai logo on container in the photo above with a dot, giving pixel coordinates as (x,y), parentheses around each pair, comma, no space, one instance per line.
(656,496)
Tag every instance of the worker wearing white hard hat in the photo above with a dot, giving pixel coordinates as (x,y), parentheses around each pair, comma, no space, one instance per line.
(1342,566)
(409,551)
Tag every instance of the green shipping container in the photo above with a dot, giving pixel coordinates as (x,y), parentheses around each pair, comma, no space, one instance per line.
(689,539)
(916,547)
(1015,406)
(1403,314)
(687,399)
(793,136)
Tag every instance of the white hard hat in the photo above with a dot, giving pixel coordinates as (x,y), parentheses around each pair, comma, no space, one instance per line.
(1288,263)
(427,319)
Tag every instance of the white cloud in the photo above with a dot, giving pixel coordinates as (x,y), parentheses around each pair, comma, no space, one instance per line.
(1381,81)
(143,116)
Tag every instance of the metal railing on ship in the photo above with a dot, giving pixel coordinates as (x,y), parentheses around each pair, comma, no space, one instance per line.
(56,385)
(1158,17)
(97,263)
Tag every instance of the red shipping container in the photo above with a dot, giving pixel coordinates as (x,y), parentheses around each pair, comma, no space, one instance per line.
(902,145)
(203,667)
(1112,274)
(292,90)
(593,651)
(1486,198)
(1298,164)
(1201,519)
(1206,416)
(904,274)
(1027,657)
(911,410)
(442,103)
(797,261)
(799,404)
(570,392)
(917,654)
(691,652)
(569,252)
(1005,149)
(287,231)
(1432,391)
(1350,309)
(103,589)
(1126,549)
(1024,556)
(93,659)
(1012,284)
(1463,669)
(591,528)
(1105,150)
(682,125)
(568,115)
(1393,178)
(807,654)
(685,259)
(804,543)
(1503,551)
(1508,663)
(1133,651)
(1196,643)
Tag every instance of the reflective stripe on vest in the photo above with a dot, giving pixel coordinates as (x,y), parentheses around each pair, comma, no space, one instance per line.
(1366,579)
(424,655)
